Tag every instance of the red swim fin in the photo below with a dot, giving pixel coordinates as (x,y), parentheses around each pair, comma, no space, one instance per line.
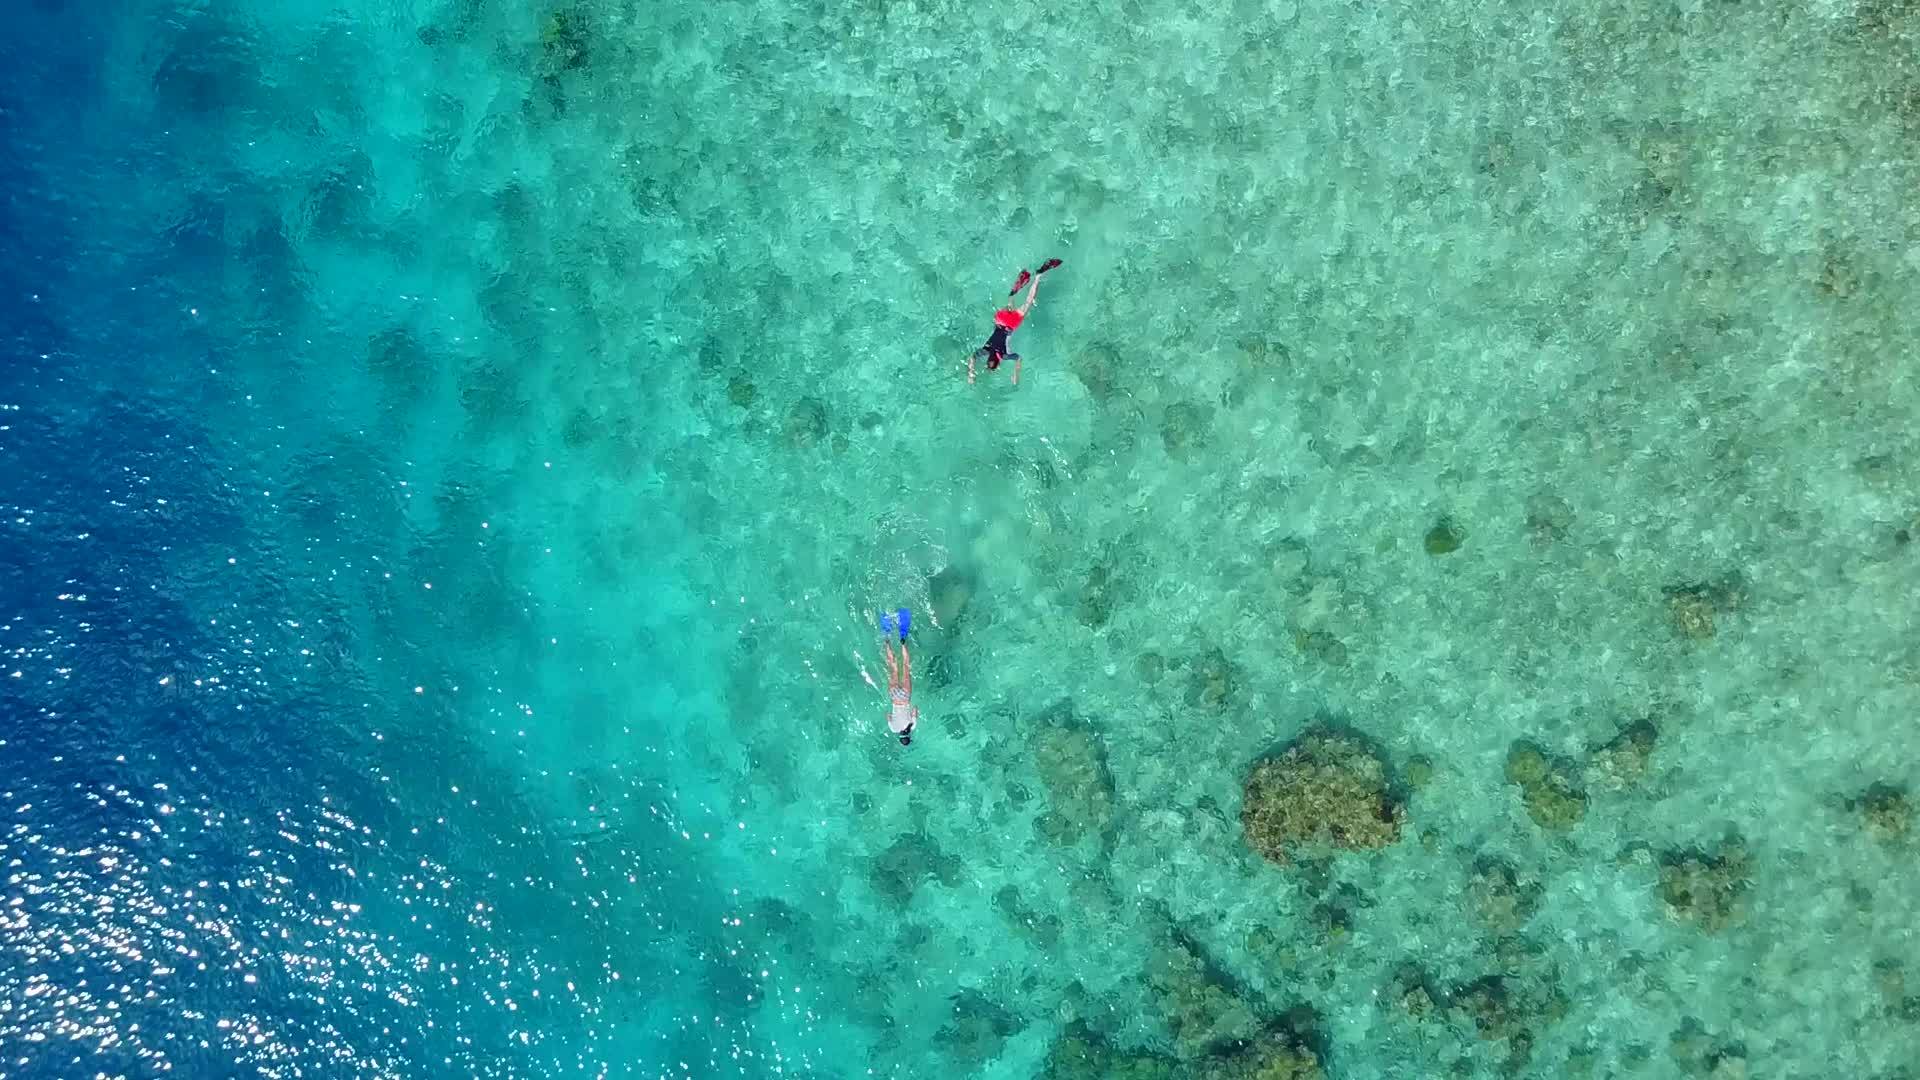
(1020,282)
(1048,265)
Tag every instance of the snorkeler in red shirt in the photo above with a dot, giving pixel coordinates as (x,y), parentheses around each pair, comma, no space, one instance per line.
(1005,322)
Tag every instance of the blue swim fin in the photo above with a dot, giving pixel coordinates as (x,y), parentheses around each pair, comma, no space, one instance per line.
(906,623)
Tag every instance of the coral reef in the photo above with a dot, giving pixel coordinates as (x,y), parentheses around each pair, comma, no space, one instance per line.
(1099,594)
(1183,428)
(1290,562)
(1073,765)
(1890,979)
(1700,1054)
(1509,1008)
(1500,898)
(977,1028)
(1322,646)
(1202,1009)
(1886,811)
(1418,773)
(1707,888)
(806,423)
(564,44)
(1080,1054)
(1273,948)
(1414,992)
(1490,1005)
(1210,680)
(1838,278)
(1098,369)
(1693,608)
(1150,666)
(950,592)
(1218,1032)
(1043,927)
(1338,910)
(909,862)
(1549,788)
(1691,614)
(1445,537)
(1621,761)
(1549,518)
(401,363)
(1326,790)
(1322,603)
(1275,1054)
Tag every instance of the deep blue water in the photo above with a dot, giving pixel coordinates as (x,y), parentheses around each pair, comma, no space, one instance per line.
(231,844)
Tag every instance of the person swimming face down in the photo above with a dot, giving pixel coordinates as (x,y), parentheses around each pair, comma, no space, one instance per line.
(902,717)
(1005,322)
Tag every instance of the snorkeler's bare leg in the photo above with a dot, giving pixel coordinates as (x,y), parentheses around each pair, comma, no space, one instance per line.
(906,669)
(893,669)
(1031,294)
(1015,357)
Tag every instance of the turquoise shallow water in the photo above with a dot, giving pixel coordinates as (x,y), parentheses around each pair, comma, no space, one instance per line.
(455,452)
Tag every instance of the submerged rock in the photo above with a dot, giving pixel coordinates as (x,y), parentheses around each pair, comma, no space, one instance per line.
(1414,992)
(1418,773)
(1500,898)
(1210,682)
(951,592)
(1549,518)
(1445,537)
(1099,594)
(1183,427)
(806,423)
(741,392)
(1508,1007)
(977,1028)
(1699,1054)
(1043,927)
(1622,761)
(401,363)
(1335,915)
(1098,368)
(1693,608)
(1203,1012)
(1272,1055)
(1327,790)
(1707,888)
(1072,763)
(1691,615)
(1550,788)
(1080,1054)
(564,41)
(1150,666)
(910,862)
(1322,646)
(1290,563)
(1887,813)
